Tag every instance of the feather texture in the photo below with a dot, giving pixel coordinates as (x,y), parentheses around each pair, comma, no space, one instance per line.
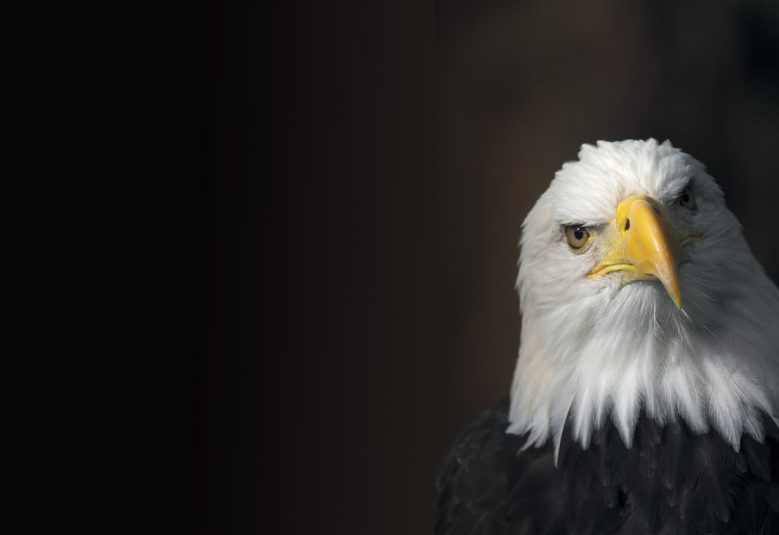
(670,481)
(608,348)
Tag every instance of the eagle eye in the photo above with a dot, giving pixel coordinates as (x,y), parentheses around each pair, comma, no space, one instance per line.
(577,236)
(687,199)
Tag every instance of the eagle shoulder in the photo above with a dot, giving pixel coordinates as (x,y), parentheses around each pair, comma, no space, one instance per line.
(670,481)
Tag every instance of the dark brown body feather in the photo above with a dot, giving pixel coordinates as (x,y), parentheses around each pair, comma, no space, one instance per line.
(670,481)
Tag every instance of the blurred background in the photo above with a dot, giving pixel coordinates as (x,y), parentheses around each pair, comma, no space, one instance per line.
(369,166)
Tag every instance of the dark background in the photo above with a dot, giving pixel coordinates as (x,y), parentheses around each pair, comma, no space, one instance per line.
(368,167)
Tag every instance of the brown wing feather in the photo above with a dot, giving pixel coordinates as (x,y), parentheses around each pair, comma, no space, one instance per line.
(670,481)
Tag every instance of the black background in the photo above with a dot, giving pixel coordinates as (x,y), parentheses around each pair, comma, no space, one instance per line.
(367,168)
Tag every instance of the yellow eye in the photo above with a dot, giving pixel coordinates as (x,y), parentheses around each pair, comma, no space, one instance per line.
(577,236)
(687,199)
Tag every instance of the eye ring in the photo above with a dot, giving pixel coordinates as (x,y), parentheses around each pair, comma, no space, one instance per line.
(686,199)
(577,236)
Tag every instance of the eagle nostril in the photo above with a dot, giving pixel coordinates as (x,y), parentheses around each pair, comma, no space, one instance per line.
(627,224)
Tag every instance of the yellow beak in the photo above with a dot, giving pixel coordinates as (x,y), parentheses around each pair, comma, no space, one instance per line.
(643,247)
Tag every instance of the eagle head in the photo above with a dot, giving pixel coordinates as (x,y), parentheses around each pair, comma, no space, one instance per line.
(639,294)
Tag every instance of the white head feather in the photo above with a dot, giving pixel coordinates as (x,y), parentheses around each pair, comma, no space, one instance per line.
(600,349)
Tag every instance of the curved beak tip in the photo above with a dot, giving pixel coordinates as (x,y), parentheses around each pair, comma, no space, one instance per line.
(645,247)
(676,295)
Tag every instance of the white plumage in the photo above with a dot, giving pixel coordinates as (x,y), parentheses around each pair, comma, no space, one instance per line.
(610,347)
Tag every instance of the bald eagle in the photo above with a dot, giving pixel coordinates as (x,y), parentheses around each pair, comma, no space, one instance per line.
(645,397)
